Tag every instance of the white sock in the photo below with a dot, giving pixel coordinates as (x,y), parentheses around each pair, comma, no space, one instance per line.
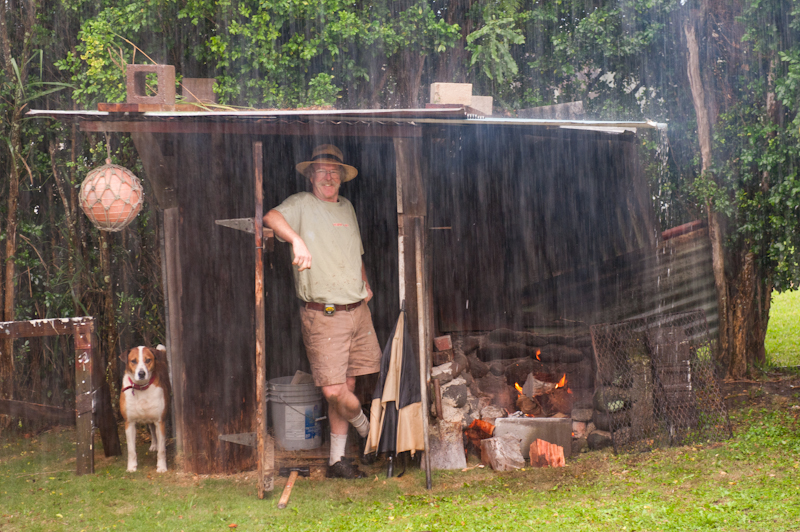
(338,445)
(361,423)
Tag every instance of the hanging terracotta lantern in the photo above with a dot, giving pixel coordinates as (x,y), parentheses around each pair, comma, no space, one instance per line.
(111,196)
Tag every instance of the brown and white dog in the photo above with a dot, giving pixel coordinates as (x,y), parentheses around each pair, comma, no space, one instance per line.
(145,399)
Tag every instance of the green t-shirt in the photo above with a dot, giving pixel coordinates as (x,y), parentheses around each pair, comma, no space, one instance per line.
(330,231)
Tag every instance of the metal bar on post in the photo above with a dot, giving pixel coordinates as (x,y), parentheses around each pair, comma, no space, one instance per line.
(423,344)
(84,397)
(265,450)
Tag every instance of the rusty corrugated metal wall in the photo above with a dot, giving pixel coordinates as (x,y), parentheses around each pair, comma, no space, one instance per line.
(683,279)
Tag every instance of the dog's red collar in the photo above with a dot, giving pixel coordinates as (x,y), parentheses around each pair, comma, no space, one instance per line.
(135,386)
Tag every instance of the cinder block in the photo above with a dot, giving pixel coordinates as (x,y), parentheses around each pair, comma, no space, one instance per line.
(443,343)
(482,104)
(199,90)
(554,430)
(458,93)
(137,76)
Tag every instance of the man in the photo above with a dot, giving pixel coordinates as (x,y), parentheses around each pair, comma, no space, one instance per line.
(331,281)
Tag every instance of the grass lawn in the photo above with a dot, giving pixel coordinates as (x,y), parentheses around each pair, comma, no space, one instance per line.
(783,333)
(751,482)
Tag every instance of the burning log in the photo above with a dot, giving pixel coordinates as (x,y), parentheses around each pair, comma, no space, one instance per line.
(478,431)
(538,397)
(544,454)
(533,387)
(561,400)
(528,406)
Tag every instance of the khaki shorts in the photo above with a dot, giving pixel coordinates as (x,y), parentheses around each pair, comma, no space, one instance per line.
(340,346)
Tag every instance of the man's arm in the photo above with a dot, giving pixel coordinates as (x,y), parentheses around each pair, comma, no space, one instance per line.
(302,257)
(366,283)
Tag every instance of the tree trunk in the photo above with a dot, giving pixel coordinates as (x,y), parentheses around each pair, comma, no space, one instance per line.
(24,27)
(408,73)
(7,354)
(714,218)
(763,285)
(742,312)
(110,359)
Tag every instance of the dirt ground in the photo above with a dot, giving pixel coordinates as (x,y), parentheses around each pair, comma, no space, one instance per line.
(774,386)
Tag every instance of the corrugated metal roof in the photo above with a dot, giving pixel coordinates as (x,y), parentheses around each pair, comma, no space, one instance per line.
(450,116)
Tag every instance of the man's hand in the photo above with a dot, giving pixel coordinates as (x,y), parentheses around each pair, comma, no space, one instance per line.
(369,294)
(366,283)
(275,221)
(302,257)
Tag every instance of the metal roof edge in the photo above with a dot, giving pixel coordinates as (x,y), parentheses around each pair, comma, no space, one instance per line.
(448,116)
(299,113)
(577,124)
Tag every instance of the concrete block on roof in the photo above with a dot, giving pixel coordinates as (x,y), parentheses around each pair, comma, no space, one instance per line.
(454,93)
(136,84)
(199,90)
(482,104)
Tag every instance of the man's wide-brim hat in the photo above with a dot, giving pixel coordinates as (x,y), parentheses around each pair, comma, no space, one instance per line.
(327,154)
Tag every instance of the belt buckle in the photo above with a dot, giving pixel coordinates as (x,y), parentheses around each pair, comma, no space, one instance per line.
(329,309)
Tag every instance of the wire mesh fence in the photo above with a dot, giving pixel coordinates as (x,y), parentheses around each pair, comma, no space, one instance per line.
(656,383)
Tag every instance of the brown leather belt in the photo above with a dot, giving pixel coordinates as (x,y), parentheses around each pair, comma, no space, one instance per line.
(321,306)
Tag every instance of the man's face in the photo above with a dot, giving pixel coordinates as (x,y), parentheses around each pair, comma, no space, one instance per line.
(325,181)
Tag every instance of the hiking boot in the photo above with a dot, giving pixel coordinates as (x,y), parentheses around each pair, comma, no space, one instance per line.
(365,459)
(344,469)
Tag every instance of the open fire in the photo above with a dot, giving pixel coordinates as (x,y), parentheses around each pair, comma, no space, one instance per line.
(505,376)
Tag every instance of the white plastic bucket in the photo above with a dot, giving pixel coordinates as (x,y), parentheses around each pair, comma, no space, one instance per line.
(294,409)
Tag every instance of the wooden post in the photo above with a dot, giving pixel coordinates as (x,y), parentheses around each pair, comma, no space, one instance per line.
(411,214)
(423,345)
(171,267)
(84,398)
(265,451)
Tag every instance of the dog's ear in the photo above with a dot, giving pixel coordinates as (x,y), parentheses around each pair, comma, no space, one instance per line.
(124,357)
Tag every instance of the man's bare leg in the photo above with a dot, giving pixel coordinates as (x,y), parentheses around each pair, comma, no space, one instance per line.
(343,406)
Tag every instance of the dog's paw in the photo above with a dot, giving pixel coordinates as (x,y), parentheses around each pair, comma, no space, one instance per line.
(161,468)
(131,469)
(153,447)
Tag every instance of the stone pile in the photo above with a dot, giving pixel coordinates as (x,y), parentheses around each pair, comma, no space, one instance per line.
(477,374)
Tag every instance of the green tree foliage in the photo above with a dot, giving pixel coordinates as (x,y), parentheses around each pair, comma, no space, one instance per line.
(624,59)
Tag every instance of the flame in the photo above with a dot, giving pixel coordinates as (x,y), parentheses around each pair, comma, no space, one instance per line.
(518,387)
(562,382)
(538,352)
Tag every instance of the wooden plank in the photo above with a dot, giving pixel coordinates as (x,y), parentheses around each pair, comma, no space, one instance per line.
(401,253)
(48,327)
(32,411)
(411,189)
(267,127)
(411,211)
(159,168)
(410,203)
(265,453)
(424,359)
(171,271)
(84,398)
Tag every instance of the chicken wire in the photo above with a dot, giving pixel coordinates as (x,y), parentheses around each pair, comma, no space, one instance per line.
(656,383)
